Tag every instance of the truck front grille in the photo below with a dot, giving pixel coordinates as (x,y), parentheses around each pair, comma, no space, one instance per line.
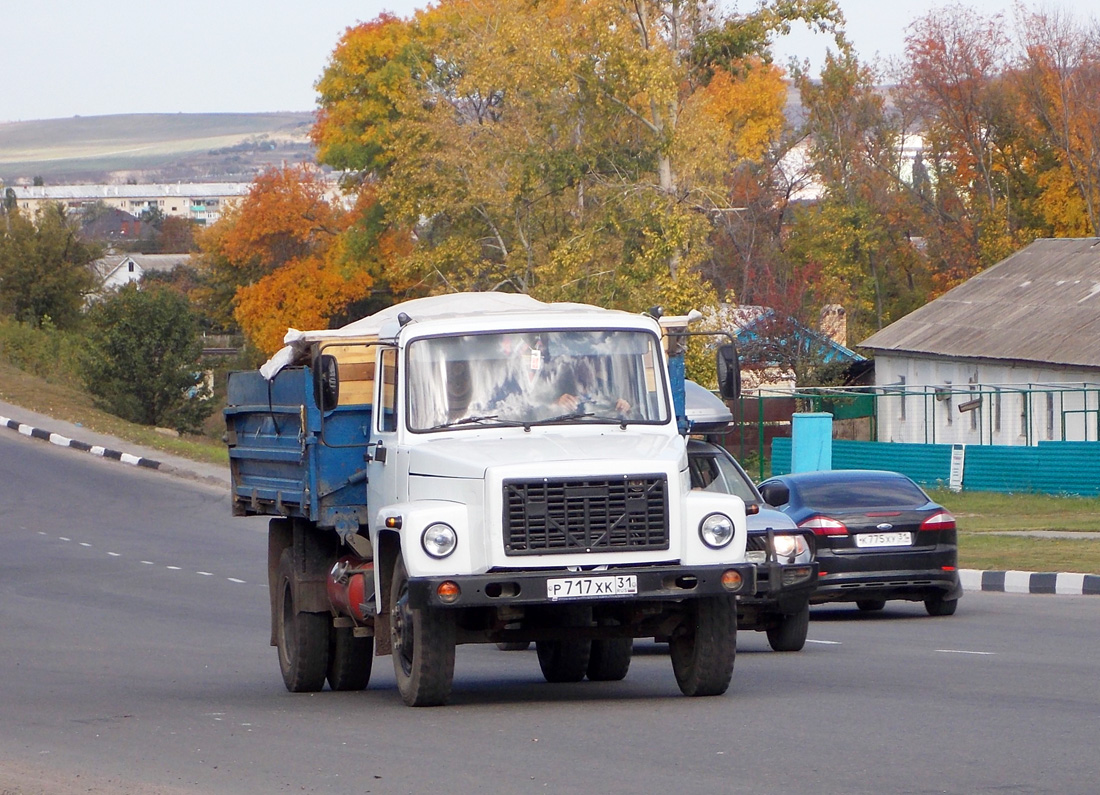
(585,515)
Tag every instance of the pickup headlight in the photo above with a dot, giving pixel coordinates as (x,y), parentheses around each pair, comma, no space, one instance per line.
(792,549)
(439,540)
(716,530)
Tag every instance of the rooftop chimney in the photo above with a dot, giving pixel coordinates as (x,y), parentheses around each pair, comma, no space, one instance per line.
(834,323)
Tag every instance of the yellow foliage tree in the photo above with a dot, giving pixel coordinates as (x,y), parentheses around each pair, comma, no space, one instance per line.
(566,148)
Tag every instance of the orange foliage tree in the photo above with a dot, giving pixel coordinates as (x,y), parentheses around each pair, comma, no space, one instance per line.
(281,258)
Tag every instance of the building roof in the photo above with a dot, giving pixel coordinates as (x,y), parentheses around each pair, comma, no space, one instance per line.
(1042,304)
(147,262)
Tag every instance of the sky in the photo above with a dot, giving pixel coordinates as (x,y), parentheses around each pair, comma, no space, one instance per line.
(68,58)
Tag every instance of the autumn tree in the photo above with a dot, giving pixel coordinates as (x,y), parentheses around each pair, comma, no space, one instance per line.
(571,150)
(955,84)
(1058,78)
(282,258)
(858,233)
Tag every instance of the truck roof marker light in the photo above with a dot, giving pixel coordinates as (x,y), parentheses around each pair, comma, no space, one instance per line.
(732,580)
(448,592)
(393,522)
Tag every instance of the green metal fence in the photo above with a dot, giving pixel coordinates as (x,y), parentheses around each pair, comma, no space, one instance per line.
(1011,416)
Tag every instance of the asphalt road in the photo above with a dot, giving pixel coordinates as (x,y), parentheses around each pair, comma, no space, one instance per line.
(134,657)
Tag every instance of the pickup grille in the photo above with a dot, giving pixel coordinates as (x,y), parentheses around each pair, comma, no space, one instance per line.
(585,515)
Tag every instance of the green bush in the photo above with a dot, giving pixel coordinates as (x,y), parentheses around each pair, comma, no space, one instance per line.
(142,361)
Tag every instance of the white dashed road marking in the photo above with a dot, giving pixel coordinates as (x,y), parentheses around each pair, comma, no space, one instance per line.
(87,545)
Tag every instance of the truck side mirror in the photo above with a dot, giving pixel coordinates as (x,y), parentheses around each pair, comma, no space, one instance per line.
(326,382)
(729,372)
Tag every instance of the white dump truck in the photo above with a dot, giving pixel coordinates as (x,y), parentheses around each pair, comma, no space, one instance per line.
(485,468)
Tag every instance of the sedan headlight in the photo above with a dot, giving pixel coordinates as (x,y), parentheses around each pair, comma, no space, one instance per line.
(792,549)
(716,530)
(439,540)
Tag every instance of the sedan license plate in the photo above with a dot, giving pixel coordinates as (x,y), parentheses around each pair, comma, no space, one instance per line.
(587,587)
(895,539)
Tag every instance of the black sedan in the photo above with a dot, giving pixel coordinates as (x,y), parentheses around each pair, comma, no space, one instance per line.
(879,537)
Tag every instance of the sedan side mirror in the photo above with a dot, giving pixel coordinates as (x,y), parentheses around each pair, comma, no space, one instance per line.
(775,494)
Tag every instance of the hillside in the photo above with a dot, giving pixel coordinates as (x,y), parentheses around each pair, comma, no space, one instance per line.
(152,147)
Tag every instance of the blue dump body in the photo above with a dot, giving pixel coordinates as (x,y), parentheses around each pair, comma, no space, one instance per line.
(278,462)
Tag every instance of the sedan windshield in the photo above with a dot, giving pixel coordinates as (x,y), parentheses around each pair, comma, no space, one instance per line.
(479,380)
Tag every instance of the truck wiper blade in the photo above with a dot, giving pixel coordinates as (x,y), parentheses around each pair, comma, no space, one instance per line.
(573,415)
(580,415)
(477,418)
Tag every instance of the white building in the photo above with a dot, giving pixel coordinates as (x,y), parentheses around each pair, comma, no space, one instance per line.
(1010,357)
(117,270)
(201,202)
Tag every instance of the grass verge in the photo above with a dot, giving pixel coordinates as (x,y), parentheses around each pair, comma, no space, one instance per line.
(989,552)
(69,403)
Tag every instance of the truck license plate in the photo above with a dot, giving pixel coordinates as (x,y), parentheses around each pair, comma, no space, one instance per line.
(896,539)
(587,587)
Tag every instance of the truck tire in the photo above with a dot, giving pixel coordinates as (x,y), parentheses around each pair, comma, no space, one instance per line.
(790,633)
(704,646)
(350,660)
(566,660)
(423,646)
(610,659)
(301,638)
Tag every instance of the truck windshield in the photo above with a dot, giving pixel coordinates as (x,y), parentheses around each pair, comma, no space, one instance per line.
(528,378)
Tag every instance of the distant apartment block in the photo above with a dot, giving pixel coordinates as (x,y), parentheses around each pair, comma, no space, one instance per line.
(201,202)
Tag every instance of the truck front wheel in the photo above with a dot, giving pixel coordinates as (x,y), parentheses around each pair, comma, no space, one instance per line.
(302,638)
(423,643)
(704,646)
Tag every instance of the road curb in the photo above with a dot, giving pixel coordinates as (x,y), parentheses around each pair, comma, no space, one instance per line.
(64,441)
(1064,583)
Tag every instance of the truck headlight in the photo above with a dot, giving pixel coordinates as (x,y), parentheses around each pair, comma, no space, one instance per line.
(716,530)
(439,540)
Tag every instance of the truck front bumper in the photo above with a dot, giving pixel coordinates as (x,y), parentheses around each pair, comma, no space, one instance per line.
(502,588)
